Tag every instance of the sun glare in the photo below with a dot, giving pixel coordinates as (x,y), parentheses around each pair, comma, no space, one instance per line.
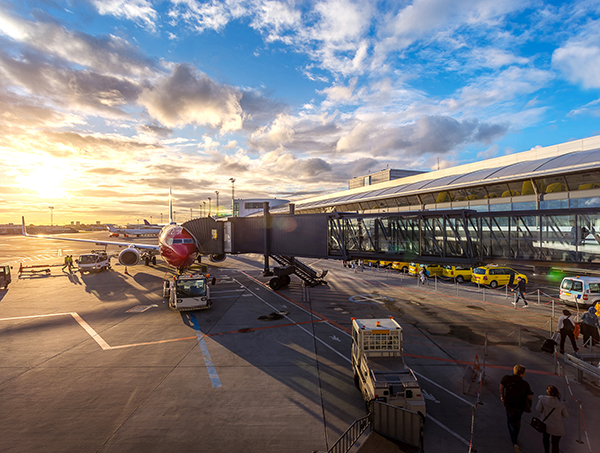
(47,182)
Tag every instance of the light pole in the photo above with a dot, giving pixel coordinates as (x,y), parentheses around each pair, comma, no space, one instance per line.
(204,210)
(209,206)
(232,198)
(51,214)
(217,207)
(161,217)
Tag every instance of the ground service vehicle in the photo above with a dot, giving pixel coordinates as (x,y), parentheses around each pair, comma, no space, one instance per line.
(379,369)
(581,292)
(459,273)
(495,275)
(4,276)
(94,261)
(188,292)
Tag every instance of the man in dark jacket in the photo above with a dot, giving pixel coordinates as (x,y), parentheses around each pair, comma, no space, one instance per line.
(520,287)
(516,395)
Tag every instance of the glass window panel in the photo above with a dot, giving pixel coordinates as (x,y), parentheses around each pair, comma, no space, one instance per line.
(555,204)
(475,176)
(571,159)
(427,198)
(496,191)
(523,206)
(584,181)
(500,207)
(551,184)
(592,202)
(478,206)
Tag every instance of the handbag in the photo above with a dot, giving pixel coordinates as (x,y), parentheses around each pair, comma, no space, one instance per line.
(538,424)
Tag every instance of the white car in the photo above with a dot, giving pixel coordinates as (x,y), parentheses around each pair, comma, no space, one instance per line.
(580,292)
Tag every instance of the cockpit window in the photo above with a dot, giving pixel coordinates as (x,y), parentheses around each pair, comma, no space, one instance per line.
(183,241)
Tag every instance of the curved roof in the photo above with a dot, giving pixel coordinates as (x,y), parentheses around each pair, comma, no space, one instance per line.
(566,163)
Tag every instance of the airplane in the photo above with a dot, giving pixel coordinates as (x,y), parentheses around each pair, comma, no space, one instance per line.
(176,246)
(114,231)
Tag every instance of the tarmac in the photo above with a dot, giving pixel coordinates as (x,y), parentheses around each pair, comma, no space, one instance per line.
(99,363)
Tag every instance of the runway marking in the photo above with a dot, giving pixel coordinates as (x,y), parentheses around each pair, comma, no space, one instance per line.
(212,372)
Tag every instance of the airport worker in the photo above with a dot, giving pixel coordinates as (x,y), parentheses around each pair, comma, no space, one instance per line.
(66,263)
(566,327)
(70,257)
(552,411)
(589,327)
(520,288)
(422,276)
(517,396)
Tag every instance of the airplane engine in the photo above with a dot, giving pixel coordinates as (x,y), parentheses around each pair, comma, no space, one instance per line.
(216,257)
(129,257)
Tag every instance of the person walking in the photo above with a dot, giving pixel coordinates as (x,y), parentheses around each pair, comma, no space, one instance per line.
(566,327)
(66,262)
(517,396)
(423,276)
(589,327)
(520,288)
(553,410)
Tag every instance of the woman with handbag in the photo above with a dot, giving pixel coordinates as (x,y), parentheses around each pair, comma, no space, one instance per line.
(552,411)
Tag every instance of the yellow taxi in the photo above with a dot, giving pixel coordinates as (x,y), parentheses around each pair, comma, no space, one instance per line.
(434,269)
(496,275)
(400,266)
(414,268)
(458,273)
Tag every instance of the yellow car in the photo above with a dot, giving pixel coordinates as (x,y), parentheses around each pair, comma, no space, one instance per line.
(496,275)
(400,266)
(434,269)
(459,273)
(414,268)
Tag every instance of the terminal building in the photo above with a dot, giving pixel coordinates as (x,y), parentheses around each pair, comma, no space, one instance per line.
(559,176)
(540,208)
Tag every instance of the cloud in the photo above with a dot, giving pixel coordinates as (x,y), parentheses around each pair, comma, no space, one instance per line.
(139,11)
(190,97)
(428,134)
(105,54)
(579,63)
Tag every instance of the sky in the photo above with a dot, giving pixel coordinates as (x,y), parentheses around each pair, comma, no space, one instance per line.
(105,104)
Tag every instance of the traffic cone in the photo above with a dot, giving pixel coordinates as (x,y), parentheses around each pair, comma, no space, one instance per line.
(126,273)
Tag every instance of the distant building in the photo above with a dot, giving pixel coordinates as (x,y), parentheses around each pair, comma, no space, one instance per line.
(244,208)
(10,229)
(388,174)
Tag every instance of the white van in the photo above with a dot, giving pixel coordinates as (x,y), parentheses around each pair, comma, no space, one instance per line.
(581,292)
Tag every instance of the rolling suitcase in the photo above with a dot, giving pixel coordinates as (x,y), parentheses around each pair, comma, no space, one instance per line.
(550,343)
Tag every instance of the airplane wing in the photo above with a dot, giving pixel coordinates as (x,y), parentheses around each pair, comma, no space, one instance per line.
(91,241)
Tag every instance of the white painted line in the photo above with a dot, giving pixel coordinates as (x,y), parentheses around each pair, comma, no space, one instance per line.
(420,376)
(91,332)
(302,328)
(34,316)
(103,344)
(441,425)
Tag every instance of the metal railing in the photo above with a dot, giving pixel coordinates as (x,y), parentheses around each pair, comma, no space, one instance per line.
(352,434)
(390,421)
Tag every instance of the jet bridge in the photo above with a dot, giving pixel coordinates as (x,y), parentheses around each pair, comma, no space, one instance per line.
(537,237)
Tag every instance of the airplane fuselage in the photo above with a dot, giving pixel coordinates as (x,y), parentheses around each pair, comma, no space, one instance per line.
(177,246)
